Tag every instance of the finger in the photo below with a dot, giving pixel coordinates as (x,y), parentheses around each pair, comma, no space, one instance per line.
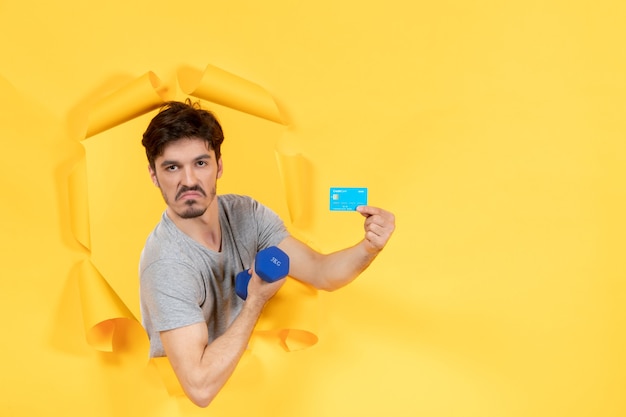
(380,228)
(376,212)
(374,219)
(367,211)
(378,220)
(376,241)
(377,229)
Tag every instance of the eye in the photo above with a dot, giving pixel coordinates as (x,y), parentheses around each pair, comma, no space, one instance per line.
(171,168)
(202,163)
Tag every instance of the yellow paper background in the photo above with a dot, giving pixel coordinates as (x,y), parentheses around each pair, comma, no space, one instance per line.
(494,130)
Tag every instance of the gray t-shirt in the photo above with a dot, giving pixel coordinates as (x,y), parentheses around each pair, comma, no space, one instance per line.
(183,282)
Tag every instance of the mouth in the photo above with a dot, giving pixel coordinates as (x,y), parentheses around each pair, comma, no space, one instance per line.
(189,194)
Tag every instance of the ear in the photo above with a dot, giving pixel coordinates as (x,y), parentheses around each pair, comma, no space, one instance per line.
(220,168)
(153,177)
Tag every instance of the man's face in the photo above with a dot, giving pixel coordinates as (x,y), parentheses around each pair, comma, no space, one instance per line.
(187,174)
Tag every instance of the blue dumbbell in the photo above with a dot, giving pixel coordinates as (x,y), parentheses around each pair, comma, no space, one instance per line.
(271,264)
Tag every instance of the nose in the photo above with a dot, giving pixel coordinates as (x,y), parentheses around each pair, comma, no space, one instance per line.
(189,177)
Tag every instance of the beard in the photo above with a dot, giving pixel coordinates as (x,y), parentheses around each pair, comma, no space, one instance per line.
(191,209)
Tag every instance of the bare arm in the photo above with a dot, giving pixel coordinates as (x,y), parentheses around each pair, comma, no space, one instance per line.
(335,270)
(202,368)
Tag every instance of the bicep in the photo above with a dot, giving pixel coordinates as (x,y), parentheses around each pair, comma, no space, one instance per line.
(304,262)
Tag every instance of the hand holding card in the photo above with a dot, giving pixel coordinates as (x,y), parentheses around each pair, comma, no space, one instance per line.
(379,224)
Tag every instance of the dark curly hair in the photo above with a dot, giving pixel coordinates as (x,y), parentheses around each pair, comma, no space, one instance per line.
(177,120)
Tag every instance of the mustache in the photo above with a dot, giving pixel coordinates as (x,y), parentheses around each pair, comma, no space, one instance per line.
(184,189)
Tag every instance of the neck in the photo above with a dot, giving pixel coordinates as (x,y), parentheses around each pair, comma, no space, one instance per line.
(205,230)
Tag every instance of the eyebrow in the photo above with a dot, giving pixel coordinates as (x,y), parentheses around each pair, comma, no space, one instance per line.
(173,162)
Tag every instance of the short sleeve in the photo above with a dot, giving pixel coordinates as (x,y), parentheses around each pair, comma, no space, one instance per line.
(271,229)
(172,295)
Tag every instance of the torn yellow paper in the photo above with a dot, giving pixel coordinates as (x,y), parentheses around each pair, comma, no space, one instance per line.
(136,98)
(221,87)
(107,278)
(78,205)
(101,307)
(167,375)
(292,315)
(297,174)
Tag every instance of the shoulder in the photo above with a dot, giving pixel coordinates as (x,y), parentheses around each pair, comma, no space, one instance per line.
(246,219)
(243,208)
(240,208)
(166,245)
(236,202)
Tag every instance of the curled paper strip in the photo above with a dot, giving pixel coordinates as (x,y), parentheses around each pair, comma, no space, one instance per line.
(292,315)
(101,307)
(142,95)
(224,88)
(296,173)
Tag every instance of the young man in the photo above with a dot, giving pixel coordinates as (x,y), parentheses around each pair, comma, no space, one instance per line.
(190,260)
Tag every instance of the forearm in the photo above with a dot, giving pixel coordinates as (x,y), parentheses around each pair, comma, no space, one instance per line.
(327,271)
(218,360)
(338,269)
(335,270)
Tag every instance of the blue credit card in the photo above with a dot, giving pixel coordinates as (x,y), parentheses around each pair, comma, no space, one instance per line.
(347,198)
